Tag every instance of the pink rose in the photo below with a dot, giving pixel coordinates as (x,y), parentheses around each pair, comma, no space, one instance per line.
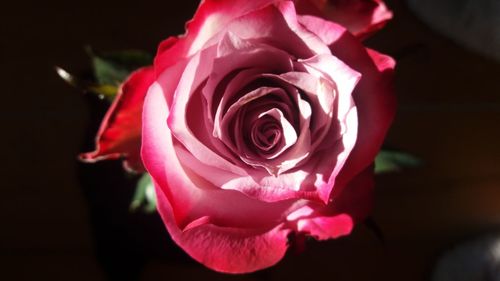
(262,122)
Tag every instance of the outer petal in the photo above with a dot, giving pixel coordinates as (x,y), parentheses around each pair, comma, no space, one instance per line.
(374,96)
(324,227)
(226,249)
(356,198)
(360,17)
(120,131)
(341,140)
(275,25)
(196,71)
(211,17)
(353,203)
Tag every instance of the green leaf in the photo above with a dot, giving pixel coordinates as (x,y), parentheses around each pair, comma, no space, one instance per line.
(144,195)
(110,70)
(106,72)
(113,68)
(391,161)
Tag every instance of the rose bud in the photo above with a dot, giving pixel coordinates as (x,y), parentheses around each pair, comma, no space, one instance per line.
(119,135)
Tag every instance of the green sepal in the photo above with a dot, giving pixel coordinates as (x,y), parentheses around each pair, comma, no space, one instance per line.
(113,68)
(144,197)
(388,161)
(105,91)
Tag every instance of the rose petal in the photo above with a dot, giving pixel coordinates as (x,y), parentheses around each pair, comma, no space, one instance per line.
(361,17)
(289,134)
(345,77)
(322,96)
(120,132)
(349,204)
(326,170)
(274,25)
(346,80)
(226,249)
(289,138)
(196,72)
(264,58)
(231,43)
(277,26)
(226,134)
(211,17)
(356,198)
(287,8)
(323,228)
(374,96)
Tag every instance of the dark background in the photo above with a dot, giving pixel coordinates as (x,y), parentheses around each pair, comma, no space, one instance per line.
(54,225)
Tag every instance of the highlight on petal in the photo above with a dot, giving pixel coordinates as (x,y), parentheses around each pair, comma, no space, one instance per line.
(311,221)
(287,8)
(277,26)
(197,70)
(349,203)
(211,17)
(344,76)
(374,94)
(323,228)
(119,135)
(361,17)
(227,249)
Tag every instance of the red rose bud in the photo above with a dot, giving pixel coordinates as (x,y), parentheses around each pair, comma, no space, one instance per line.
(119,135)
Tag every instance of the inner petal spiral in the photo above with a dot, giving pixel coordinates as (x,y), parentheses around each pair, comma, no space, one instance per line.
(265,134)
(271,134)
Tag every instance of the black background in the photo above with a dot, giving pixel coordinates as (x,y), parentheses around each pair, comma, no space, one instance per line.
(60,220)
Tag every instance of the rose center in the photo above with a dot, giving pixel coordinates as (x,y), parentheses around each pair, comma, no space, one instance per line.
(265,134)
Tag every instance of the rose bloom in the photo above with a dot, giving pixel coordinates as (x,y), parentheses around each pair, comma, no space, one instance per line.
(262,120)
